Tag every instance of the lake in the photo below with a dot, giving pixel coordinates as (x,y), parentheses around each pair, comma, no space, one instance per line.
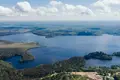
(64,47)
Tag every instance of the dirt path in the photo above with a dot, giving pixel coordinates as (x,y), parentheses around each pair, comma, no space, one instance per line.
(91,75)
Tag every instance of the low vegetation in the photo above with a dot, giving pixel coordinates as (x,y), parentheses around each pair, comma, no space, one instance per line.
(59,71)
(64,76)
(7,72)
(116,54)
(98,55)
(9,49)
(42,72)
(72,64)
(60,32)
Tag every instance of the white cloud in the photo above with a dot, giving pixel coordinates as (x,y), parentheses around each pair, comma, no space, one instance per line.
(59,10)
(45,11)
(23,7)
(110,2)
(107,6)
(101,7)
(5,11)
(55,3)
(54,8)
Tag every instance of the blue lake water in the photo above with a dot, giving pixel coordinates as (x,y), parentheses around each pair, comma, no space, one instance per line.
(64,47)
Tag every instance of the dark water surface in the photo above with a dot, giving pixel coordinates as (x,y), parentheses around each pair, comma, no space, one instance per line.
(64,47)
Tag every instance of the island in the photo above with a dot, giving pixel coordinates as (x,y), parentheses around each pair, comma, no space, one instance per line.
(65,32)
(50,32)
(9,49)
(98,55)
(116,54)
(5,31)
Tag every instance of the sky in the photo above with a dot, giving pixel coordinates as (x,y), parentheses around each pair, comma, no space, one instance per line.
(44,2)
(51,10)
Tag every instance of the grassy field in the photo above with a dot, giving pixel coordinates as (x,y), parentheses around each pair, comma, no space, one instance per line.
(19,45)
(10,49)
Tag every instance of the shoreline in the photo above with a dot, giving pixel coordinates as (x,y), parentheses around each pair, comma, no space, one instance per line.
(11,49)
(28,53)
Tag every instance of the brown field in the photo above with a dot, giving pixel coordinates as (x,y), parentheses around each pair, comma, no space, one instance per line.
(10,49)
(91,75)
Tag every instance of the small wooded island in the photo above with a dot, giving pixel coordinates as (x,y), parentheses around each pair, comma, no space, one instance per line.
(98,55)
(9,49)
(117,54)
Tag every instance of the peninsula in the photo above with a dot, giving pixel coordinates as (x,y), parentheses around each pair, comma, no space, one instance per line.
(9,49)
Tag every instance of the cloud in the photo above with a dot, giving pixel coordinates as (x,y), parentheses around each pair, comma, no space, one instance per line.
(69,9)
(23,7)
(101,7)
(5,11)
(59,10)
(20,9)
(55,3)
(106,6)
(53,8)
(110,2)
